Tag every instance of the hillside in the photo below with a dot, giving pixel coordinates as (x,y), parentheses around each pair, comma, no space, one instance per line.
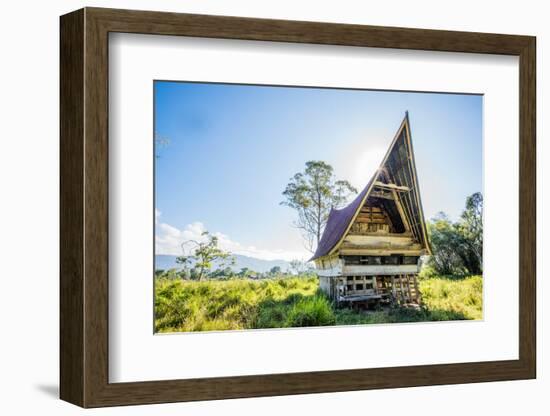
(166,262)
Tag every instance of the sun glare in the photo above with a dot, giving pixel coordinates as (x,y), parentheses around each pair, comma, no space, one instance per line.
(365,165)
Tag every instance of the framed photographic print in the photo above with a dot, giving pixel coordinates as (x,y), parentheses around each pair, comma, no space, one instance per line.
(255,207)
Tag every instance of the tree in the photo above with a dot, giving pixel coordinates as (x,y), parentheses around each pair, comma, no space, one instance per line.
(445,241)
(297,266)
(247,273)
(275,270)
(221,273)
(244,271)
(313,193)
(458,247)
(471,227)
(203,254)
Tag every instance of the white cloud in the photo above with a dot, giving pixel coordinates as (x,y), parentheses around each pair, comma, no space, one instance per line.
(168,240)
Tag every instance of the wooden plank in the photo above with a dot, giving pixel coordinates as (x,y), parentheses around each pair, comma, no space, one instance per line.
(327,262)
(358,298)
(394,240)
(412,168)
(367,220)
(373,270)
(381,246)
(325,284)
(399,207)
(336,271)
(380,252)
(406,202)
(418,294)
(369,208)
(382,195)
(406,234)
(361,292)
(392,186)
(371,215)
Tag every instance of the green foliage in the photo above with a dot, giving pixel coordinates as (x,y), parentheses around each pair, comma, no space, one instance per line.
(471,227)
(275,270)
(460,295)
(246,273)
(193,306)
(169,274)
(446,241)
(222,273)
(443,299)
(427,272)
(204,254)
(313,193)
(458,247)
(311,311)
(294,302)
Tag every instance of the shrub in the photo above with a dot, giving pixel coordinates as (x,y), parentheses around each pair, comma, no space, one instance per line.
(311,311)
(271,315)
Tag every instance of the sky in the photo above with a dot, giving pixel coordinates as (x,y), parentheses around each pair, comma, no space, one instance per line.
(228,152)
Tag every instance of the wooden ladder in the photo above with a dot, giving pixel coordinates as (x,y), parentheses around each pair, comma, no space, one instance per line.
(405,289)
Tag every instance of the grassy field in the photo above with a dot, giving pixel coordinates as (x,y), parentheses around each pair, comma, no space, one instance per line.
(182,306)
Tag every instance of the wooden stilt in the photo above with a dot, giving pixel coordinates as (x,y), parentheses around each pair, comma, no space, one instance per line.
(417,291)
(403,300)
(409,288)
(393,289)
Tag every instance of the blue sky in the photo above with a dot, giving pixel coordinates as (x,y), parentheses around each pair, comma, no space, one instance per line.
(233,148)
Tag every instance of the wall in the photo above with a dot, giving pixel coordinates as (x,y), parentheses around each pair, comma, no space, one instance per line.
(29,209)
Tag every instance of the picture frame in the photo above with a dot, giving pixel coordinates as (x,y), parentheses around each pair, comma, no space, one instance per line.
(84,219)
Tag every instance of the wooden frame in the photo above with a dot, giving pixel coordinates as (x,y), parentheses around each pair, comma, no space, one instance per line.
(84,207)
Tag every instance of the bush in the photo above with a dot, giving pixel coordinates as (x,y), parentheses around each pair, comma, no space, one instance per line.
(271,315)
(311,311)
(427,272)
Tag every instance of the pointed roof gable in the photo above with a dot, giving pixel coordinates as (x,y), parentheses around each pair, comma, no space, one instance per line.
(398,167)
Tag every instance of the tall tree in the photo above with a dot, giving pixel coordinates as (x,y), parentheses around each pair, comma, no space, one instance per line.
(471,227)
(458,247)
(446,244)
(312,193)
(203,254)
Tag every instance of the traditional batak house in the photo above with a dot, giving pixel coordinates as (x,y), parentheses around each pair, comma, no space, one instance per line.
(370,250)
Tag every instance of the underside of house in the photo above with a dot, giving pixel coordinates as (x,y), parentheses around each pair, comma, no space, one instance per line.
(370,250)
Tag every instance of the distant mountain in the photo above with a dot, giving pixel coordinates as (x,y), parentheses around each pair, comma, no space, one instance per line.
(166,262)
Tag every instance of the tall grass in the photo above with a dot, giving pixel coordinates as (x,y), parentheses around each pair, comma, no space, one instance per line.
(234,304)
(453,296)
(182,306)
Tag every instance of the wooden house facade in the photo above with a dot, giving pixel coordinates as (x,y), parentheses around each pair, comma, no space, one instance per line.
(370,250)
